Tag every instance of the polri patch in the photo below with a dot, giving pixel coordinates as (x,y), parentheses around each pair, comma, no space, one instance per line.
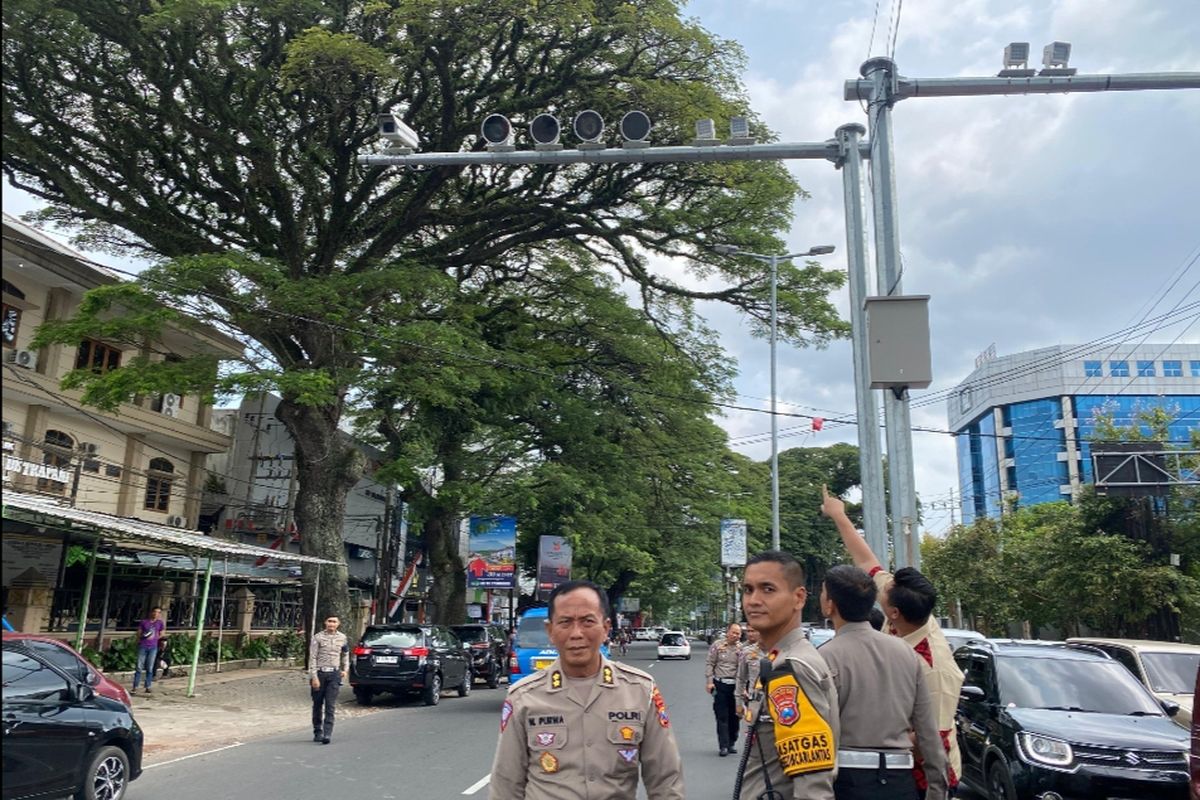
(545,738)
(627,733)
(505,715)
(548,763)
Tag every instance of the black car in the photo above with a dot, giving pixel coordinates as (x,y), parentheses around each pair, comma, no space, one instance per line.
(60,737)
(1056,723)
(409,659)
(489,650)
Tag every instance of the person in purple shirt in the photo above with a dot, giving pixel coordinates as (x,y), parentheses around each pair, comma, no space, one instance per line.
(150,633)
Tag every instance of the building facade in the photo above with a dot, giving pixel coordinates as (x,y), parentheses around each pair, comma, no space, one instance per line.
(1024,422)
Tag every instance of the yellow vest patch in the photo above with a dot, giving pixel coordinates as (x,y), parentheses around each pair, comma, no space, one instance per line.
(803,738)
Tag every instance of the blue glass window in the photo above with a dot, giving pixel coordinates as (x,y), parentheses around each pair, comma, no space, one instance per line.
(1172,369)
(1118,369)
(1145,369)
(1195,365)
(1092,369)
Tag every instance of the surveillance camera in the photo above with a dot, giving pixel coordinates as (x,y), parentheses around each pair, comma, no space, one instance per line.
(392,128)
(496,130)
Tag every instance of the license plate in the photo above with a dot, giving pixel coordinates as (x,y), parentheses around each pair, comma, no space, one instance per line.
(387,659)
(542,663)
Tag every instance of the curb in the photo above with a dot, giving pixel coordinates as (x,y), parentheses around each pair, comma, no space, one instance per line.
(210,668)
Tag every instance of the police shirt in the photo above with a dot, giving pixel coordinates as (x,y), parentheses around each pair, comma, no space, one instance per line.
(558,743)
(747,671)
(328,651)
(816,683)
(722,661)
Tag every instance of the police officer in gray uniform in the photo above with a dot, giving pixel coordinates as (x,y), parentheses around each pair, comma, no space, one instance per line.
(584,727)
(881,697)
(328,660)
(720,674)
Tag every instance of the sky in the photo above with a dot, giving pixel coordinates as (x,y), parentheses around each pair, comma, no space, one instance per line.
(1029,220)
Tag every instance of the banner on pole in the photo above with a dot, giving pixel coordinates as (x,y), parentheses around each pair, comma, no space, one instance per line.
(492,553)
(733,543)
(554,562)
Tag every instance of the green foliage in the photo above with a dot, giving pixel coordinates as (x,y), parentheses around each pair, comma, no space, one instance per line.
(179,647)
(78,554)
(208,649)
(121,656)
(286,644)
(258,648)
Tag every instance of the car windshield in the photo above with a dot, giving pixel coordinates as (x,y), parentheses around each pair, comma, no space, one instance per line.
(531,632)
(392,638)
(672,640)
(1171,672)
(469,635)
(1072,684)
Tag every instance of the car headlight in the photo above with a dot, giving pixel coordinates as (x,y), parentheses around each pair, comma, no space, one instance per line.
(1044,750)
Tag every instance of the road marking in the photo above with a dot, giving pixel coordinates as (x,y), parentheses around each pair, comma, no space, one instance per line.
(479,784)
(193,755)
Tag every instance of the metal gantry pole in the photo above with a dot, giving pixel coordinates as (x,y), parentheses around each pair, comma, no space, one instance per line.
(774,415)
(869,448)
(87,595)
(888,274)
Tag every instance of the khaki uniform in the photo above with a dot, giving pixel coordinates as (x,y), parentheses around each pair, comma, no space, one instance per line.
(747,671)
(817,684)
(942,676)
(555,746)
(721,669)
(881,696)
(328,652)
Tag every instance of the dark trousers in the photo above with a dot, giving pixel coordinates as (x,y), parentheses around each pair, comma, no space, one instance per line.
(324,699)
(874,784)
(725,709)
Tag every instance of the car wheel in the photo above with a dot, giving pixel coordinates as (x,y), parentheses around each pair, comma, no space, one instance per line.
(493,677)
(433,689)
(364,696)
(464,688)
(687,657)
(1000,783)
(107,776)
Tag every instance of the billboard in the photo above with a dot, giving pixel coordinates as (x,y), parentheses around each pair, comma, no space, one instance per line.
(733,543)
(554,562)
(492,553)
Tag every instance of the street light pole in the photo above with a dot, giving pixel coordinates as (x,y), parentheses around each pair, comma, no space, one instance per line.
(773,261)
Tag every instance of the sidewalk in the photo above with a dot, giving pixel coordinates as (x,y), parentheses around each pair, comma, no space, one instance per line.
(229,707)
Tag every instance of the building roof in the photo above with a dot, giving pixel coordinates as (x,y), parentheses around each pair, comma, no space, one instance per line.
(136,534)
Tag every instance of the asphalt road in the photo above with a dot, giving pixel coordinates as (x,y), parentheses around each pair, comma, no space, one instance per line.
(408,751)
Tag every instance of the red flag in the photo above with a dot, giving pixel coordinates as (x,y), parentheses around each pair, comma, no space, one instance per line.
(817,423)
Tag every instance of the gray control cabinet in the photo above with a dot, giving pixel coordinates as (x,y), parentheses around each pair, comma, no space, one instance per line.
(898,341)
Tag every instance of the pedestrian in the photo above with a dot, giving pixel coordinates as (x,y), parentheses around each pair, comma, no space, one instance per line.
(328,660)
(150,631)
(908,599)
(747,673)
(790,752)
(720,675)
(881,697)
(583,727)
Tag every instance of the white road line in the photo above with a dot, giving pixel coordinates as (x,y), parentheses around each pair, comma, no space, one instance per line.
(479,784)
(194,755)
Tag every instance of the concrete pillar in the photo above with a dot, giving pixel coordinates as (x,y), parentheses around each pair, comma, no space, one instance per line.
(53,359)
(30,596)
(161,594)
(133,486)
(244,598)
(37,420)
(194,489)
(364,617)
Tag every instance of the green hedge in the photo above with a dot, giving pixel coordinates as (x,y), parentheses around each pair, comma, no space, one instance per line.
(121,655)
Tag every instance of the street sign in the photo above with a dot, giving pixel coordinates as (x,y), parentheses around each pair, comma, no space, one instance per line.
(733,543)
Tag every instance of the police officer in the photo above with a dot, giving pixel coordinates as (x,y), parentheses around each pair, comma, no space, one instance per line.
(584,727)
(328,660)
(748,664)
(720,674)
(881,697)
(791,748)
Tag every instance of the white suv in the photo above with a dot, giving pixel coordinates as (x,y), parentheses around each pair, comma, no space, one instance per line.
(674,644)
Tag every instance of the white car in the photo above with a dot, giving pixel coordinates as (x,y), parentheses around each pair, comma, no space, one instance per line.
(674,644)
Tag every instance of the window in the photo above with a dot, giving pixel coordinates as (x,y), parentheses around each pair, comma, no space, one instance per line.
(57,448)
(10,325)
(1118,369)
(1093,369)
(158,485)
(1172,369)
(964,400)
(60,657)
(26,678)
(1195,368)
(97,356)
(1146,369)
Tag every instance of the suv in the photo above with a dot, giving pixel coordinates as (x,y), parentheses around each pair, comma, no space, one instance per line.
(60,736)
(409,659)
(1050,721)
(489,650)
(1168,669)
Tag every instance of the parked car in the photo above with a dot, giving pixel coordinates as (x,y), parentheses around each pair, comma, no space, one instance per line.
(409,659)
(532,649)
(1166,668)
(957,637)
(1044,720)
(489,650)
(674,644)
(65,657)
(60,736)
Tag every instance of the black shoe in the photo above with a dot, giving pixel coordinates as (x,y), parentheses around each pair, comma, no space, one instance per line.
(732,750)
(724,752)
(317,737)
(324,740)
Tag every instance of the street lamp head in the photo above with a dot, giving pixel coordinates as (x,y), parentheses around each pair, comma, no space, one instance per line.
(821,250)
(1056,55)
(1016,54)
(706,130)
(726,249)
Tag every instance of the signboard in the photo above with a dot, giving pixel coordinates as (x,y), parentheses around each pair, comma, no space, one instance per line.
(554,562)
(492,553)
(32,559)
(20,466)
(474,611)
(629,605)
(733,543)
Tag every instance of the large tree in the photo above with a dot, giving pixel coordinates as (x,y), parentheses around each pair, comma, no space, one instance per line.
(219,138)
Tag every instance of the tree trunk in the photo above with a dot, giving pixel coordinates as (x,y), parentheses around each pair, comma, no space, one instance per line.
(617,590)
(327,467)
(448,593)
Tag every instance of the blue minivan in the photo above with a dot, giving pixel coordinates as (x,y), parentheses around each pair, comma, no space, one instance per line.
(532,650)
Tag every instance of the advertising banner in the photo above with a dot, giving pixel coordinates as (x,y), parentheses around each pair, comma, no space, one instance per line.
(554,562)
(492,553)
(733,543)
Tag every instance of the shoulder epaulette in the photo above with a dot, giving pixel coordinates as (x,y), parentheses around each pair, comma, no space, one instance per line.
(529,683)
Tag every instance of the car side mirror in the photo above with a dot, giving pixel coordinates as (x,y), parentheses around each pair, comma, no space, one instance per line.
(1170,706)
(972,694)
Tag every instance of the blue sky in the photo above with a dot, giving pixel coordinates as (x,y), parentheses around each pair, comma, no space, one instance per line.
(1030,221)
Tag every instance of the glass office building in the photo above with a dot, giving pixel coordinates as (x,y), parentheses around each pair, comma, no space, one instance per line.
(1024,423)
